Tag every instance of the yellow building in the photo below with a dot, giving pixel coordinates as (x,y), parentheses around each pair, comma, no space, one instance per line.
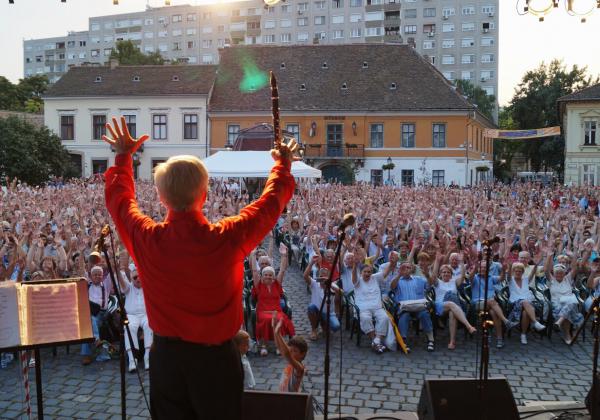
(355,108)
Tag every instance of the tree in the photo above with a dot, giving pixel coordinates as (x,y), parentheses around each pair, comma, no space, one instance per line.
(476,95)
(534,106)
(31,154)
(128,54)
(25,96)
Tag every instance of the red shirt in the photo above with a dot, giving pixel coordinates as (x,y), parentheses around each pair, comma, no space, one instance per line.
(192,270)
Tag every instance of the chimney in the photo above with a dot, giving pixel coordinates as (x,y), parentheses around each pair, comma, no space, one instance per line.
(114,62)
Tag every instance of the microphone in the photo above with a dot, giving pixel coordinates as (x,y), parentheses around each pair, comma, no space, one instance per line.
(348,220)
(99,244)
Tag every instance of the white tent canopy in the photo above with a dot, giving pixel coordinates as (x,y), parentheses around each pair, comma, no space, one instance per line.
(251,164)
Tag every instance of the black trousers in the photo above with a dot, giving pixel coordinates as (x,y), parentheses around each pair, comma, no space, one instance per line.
(190,381)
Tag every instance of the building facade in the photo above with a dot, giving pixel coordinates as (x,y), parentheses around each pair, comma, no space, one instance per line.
(356,108)
(166,102)
(459,37)
(580,118)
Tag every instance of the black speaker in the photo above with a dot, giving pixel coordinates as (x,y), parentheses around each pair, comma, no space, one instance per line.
(265,405)
(589,400)
(458,398)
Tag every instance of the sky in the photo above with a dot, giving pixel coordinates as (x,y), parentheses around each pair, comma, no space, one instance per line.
(524,42)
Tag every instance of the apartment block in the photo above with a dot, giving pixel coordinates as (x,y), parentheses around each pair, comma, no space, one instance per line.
(459,37)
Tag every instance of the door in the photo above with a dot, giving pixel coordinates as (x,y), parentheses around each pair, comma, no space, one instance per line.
(335,139)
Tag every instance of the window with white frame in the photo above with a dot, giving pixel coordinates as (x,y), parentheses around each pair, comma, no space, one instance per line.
(107,52)
(337,19)
(408,135)
(94,26)
(355,17)
(447,59)
(428,45)
(285,8)
(439,135)
(302,36)
(232,133)
(407,177)
(410,13)
(163,47)
(374,31)
(410,29)
(192,59)
(589,133)
(294,129)
(130,120)
(269,24)
(268,39)
(192,17)
(376,176)
(467,75)
(338,34)
(468,58)
(163,34)
(355,33)
(467,42)
(99,126)
(108,38)
(302,7)
(376,131)
(319,5)
(285,23)
(67,127)
(208,29)
(372,16)
(148,35)
(207,43)
(468,10)
(319,20)
(95,40)
(148,49)
(448,11)
(487,58)
(487,42)
(176,46)
(356,3)
(488,10)
(337,4)
(448,43)
(468,27)
(489,90)
(487,75)
(177,32)
(437,177)
(303,21)
(589,174)
(429,12)
(108,25)
(190,31)
(284,38)
(207,58)
(320,35)
(448,27)
(176,18)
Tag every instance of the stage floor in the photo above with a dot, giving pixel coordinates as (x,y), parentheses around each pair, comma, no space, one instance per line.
(531,407)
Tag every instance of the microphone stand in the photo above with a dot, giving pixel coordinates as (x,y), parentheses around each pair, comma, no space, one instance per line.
(124,327)
(485,325)
(592,402)
(327,298)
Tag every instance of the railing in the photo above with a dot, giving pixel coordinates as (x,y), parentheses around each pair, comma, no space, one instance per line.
(325,150)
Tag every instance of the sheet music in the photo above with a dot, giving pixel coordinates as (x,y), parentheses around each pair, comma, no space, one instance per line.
(9,315)
(52,314)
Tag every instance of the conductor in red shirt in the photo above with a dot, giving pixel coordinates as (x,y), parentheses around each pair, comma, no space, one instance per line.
(192,276)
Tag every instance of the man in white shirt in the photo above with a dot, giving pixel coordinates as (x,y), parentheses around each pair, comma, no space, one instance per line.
(99,291)
(136,313)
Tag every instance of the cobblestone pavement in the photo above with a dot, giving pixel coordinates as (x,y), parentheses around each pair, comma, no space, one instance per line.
(541,370)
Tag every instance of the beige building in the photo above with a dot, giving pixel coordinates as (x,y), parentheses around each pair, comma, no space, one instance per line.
(580,118)
(167,102)
(459,37)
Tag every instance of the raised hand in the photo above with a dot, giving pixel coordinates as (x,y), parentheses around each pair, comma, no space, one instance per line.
(286,152)
(121,139)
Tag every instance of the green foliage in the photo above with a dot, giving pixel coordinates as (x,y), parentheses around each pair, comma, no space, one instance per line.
(31,154)
(534,106)
(389,166)
(129,55)
(476,95)
(24,96)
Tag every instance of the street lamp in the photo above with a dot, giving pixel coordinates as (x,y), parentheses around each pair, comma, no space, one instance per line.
(389,164)
(466,146)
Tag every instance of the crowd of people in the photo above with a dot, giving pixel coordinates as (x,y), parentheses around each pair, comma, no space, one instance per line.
(413,254)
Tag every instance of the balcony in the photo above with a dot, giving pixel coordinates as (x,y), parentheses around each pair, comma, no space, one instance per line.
(334,151)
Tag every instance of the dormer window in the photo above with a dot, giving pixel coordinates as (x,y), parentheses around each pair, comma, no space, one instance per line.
(344,86)
(282,66)
(136,78)
(175,79)
(365,65)
(392,86)
(98,79)
(324,66)
(302,87)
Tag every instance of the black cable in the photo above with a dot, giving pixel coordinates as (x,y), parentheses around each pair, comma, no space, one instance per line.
(126,326)
(341,359)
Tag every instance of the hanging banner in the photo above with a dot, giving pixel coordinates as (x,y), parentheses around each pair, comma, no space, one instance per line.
(522,134)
